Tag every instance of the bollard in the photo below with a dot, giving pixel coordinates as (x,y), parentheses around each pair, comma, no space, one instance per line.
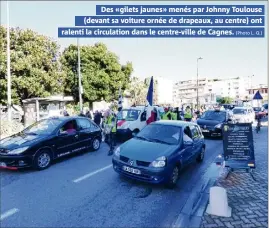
(218,203)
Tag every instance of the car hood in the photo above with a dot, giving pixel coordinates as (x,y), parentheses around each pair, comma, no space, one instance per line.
(239,116)
(203,122)
(20,140)
(145,151)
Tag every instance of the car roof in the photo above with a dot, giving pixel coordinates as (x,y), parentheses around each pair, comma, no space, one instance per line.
(176,123)
(214,110)
(67,118)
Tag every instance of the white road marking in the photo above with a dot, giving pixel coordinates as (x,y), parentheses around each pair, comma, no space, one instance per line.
(91,174)
(8,213)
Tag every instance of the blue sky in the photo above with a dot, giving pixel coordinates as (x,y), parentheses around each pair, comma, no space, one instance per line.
(170,58)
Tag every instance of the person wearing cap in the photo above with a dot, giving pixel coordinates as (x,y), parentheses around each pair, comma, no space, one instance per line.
(188,114)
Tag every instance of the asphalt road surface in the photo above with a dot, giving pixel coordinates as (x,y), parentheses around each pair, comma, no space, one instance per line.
(84,191)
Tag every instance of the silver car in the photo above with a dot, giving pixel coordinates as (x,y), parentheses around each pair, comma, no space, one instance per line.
(243,115)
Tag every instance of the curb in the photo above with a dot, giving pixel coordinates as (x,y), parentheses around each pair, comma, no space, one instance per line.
(192,212)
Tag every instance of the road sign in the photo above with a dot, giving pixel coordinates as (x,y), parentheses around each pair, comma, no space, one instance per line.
(238,146)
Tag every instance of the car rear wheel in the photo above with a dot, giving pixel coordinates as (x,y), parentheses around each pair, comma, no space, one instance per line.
(42,160)
(96,144)
(201,156)
(173,178)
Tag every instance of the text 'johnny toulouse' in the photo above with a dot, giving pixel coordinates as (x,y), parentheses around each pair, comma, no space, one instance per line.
(186,9)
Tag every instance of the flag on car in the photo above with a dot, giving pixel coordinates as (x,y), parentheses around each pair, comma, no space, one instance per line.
(149,107)
(120,101)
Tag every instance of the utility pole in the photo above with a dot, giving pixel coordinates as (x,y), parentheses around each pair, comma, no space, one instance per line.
(79,79)
(197,82)
(8,68)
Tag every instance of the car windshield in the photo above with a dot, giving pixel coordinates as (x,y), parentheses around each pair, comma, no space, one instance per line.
(214,115)
(43,127)
(128,114)
(239,111)
(161,134)
(257,109)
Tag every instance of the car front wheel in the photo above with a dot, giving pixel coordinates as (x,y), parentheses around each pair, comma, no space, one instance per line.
(201,156)
(173,178)
(96,144)
(42,160)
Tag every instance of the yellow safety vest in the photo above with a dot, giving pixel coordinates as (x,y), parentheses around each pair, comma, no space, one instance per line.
(112,121)
(188,114)
(165,116)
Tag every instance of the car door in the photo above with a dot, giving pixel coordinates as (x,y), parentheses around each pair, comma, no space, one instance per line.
(196,140)
(188,146)
(67,138)
(85,133)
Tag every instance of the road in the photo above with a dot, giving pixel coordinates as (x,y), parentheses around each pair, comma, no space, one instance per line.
(84,191)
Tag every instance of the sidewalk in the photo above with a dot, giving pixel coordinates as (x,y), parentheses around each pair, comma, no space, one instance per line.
(247,198)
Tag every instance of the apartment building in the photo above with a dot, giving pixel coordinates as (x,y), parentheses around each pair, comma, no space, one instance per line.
(209,89)
(185,92)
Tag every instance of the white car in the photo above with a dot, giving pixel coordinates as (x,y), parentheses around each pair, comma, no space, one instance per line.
(243,115)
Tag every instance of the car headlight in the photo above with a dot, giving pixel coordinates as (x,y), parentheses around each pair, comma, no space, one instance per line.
(19,150)
(117,152)
(218,126)
(159,162)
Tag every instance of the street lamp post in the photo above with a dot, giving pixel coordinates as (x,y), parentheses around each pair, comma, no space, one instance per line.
(197,82)
(79,79)
(8,68)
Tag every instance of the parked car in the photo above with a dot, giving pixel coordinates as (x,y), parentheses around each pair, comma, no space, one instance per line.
(212,120)
(244,114)
(259,111)
(132,120)
(158,153)
(44,141)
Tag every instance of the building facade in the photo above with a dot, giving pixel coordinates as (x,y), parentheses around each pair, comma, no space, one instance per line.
(164,90)
(185,92)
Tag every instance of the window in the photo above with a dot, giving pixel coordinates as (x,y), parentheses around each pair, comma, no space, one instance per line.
(194,132)
(187,132)
(199,130)
(69,128)
(161,133)
(144,116)
(95,127)
(84,124)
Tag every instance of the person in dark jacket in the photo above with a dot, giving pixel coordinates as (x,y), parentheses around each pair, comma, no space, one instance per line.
(88,114)
(97,118)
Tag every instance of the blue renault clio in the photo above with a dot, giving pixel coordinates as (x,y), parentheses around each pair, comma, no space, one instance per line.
(158,153)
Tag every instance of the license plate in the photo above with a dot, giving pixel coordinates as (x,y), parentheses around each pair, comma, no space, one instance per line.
(204,130)
(3,164)
(131,170)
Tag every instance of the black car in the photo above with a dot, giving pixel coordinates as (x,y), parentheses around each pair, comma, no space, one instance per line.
(49,139)
(211,122)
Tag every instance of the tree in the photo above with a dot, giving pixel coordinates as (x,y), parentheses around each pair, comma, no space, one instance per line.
(102,74)
(225,100)
(34,70)
(137,91)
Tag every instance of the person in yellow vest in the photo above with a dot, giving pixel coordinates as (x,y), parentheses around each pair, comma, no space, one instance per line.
(112,123)
(188,114)
(167,115)
(174,114)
